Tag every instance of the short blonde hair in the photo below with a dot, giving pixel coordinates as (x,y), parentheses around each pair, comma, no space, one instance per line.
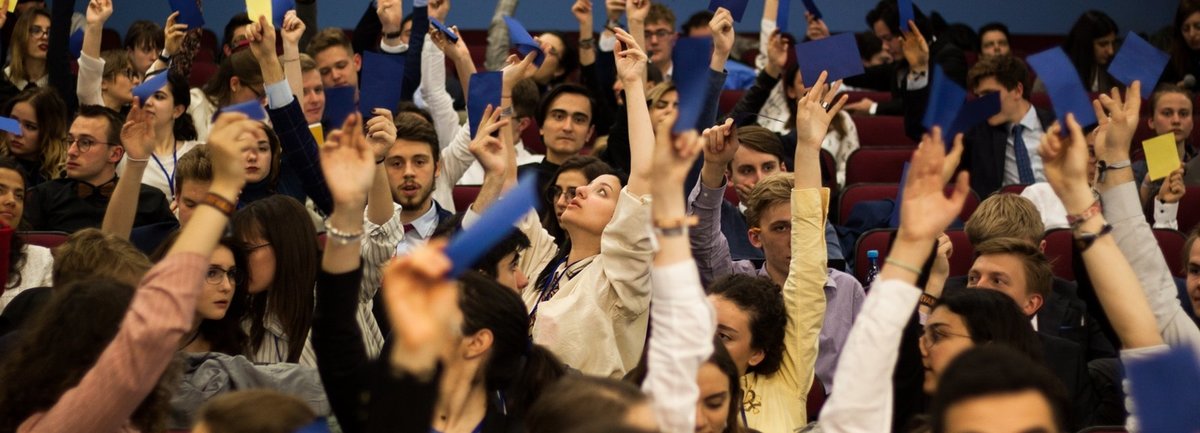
(1005,215)
(770,191)
(91,253)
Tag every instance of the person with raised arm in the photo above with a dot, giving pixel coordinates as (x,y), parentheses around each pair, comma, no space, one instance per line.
(1118,195)
(121,366)
(105,78)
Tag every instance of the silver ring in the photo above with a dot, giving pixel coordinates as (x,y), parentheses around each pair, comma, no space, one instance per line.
(826,105)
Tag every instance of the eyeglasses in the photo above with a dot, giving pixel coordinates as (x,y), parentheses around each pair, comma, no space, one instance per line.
(217,275)
(85,143)
(661,34)
(932,336)
(555,192)
(37,31)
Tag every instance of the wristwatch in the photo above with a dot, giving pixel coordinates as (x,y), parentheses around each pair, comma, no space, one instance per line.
(393,35)
(1084,240)
(587,44)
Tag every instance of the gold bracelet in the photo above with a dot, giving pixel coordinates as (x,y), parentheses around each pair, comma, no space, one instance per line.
(903,266)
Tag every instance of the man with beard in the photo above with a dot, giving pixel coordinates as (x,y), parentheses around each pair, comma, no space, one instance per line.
(413,165)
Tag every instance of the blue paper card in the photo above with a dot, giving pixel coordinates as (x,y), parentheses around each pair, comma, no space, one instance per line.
(484,89)
(380,82)
(737,8)
(811,5)
(76,45)
(945,99)
(252,109)
(280,8)
(10,125)
(1138,60)
(781,15)
(1166,391)
(691,58)
(972,113)
(894,220)
(906,14)
(837,54)
(493,226)
(189,13)
(518,36)
(147,88)
(1062,83)
(339,104)
(445,30)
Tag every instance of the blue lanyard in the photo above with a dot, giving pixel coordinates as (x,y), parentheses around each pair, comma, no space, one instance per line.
(545,288)
(170,176)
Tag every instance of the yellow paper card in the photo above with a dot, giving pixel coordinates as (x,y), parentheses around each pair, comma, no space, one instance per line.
(12,6)
(318,133)
(1162,156)
(256,8)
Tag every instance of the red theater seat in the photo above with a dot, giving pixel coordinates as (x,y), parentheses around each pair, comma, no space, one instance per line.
(882,131)
(44,239)
(464,195)
(874,165)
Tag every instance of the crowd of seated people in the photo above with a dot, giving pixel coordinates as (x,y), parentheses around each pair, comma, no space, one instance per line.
(693,259)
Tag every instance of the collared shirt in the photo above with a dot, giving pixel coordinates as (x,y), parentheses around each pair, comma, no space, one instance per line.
(423,228)
(1032,133)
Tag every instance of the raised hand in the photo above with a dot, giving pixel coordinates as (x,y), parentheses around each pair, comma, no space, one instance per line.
(816,27)
(631,59)
(722,144)
(173,34)
(262,39)
(614,9)
(582,9)
(674,155)
(916,50)
(381,133)
(777,55)
(1065,162)
(1172,188)
(423,305)
(487,148)
(637,9)
(231,136)
(1123,114)
(348,163)
(815,110)
(925,211)
(98,11)
(137,135)
(391,15)
(439,9)
(517,69)
(721,26)
(293,28)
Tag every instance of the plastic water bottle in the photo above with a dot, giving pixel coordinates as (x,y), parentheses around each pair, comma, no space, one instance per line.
(873,271)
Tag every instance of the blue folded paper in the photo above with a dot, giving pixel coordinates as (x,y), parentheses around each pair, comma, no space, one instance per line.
(280,8)
(10,125)
(1166,390)
(945,99)
(737,8)
(485,88)
(973,112)
(189,13)
(445,30)
(837,54)
(339,104)
(894,219)
(1062,83)
(1138,60)
(781,15)
(252,109)
(493,226)
(518,36)
(690,65)
(811,5)
(152,84)
(380,82)
(76,45)
(906,14)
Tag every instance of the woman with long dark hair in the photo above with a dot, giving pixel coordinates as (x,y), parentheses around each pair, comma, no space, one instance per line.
(218,323)
(28,265)
(173,130)
(1185,46)
(41,147)
(1091,46)
(97,353)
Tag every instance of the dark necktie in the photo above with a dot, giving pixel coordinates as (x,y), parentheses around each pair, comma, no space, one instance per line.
(409,228)
(1024,166)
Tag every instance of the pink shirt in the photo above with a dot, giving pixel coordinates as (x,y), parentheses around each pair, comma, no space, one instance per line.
(129,368)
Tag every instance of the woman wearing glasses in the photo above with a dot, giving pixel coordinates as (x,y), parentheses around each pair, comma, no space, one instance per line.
(217,325)
(575,172)
(105,78)
(30,43)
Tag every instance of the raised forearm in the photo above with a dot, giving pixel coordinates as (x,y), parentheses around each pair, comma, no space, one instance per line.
(122,206)
(291,69)
(207,224)
(342,257)
(379,200)
(92,36)
(807,172)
